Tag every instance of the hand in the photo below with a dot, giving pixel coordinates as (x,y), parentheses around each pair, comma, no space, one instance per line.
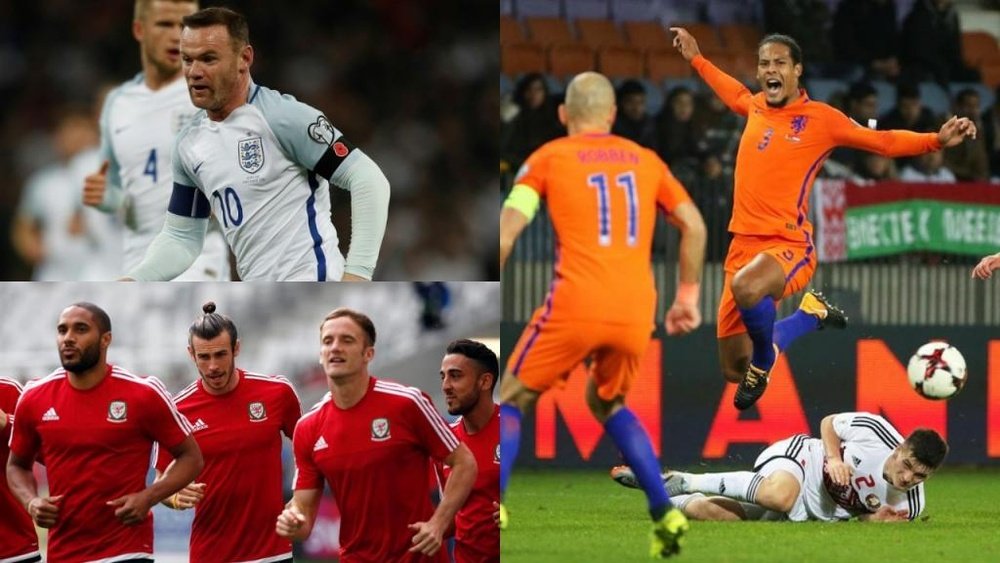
(496,513)
(682,318)
(3,419)
(427,539)
(352,278)
(188,497)
(132,509)
(290,521)
(95,185)
(886,513)
(44,510)
(983,270)
(839,472)
(955,130)
(685,43)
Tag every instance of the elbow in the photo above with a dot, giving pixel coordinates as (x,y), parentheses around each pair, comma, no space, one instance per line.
(694,228)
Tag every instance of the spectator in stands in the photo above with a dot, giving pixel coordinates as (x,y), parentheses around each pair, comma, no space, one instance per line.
(713,194)
(909,113)
(861,105)
(932,44)
(928,167)
(991,134)
(875,167)
(865,33)
(969,162)
(536,122)
(678,134)
(720,131)
(632,121)
(805,20)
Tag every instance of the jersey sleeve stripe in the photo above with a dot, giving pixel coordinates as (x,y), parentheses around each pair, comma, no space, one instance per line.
(155,384)
(432,416)
(313,229)
(879,429)
(271,379)
(186,392)
(12,383)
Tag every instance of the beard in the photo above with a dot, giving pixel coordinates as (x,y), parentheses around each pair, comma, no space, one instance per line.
(463,407)
(87,359)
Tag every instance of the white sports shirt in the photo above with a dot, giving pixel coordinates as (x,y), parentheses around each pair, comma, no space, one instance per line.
(263,171)
(138,128)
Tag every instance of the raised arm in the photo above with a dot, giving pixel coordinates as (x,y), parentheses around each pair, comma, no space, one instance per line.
(898,142)
(732,92)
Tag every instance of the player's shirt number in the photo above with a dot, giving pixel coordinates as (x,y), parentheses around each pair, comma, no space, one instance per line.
(230,208)
(150,169)
(625,181)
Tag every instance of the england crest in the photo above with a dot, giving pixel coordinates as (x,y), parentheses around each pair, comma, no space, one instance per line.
(251,153)
(257,411)
(380,429)
(117,412)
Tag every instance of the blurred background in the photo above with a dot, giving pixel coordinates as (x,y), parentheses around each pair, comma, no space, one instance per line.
(408,81)
(278,326)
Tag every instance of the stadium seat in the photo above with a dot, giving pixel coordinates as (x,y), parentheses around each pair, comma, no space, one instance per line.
(726,12)
(886,95)
(738,65)
(664,11)
(647,35)
(934,97)
(521,58)
(990,74)
(511,31)
(979,47)
(666,63)
(619,62)
(566,61)
(824,90)
(708,38)
(599,33)
(740,38)
(986,94)
(588,9)
(537,8)
(550,31)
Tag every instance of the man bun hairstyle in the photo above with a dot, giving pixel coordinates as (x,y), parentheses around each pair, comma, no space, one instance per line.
(211,324)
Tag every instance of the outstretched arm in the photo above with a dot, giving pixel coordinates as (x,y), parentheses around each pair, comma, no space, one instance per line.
(731,91)
(898,142)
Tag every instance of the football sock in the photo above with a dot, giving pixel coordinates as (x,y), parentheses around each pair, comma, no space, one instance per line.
(759,321)
(634,444)
(737,485)
(510,440)
(793,326)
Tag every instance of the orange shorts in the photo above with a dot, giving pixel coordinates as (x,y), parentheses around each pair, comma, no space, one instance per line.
(548,351)
(797,260)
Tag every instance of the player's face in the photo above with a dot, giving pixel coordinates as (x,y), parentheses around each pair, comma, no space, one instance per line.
(905,471)
(212,67)
(79,341)
(216,362)
(159,34)
(777,74)
(461,383)
(344,349)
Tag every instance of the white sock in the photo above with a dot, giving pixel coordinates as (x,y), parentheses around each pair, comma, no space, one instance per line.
(737,485)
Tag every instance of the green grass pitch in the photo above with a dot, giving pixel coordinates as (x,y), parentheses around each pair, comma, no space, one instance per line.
(577,516)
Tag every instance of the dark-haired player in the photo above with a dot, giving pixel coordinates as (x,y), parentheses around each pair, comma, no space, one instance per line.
(238,418)
(859,467)
(95,425)
(18,541)
(771,256)
(468,377)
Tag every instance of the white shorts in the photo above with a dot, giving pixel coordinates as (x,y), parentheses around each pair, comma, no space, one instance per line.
(791,456)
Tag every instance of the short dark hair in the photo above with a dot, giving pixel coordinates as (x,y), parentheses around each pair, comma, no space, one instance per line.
(479,353)
(211,324)
(101,318)
(860,90)
(630,87)
(361,319)
(927,447)
(234,22)
(965,93)
(785,40)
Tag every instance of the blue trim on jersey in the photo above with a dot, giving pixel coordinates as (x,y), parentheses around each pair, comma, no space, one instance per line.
(254,95)
(313,230)
(189,202)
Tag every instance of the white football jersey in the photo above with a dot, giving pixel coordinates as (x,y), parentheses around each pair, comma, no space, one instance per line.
(867,442)
(138,128)
(261,172)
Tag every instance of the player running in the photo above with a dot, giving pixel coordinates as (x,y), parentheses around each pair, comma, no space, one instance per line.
(260,161)
(139,122)
(18,541)
(373,441)
(602,193)
(468,377)
(238,418)
(771,256)
(859,467)
(95,424)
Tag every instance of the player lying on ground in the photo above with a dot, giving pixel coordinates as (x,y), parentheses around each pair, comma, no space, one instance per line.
(859,467)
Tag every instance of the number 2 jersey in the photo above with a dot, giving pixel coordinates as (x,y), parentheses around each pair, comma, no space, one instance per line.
(602,192)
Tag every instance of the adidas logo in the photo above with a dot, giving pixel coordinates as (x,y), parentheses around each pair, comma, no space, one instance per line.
(50,415)
(320,444)
(199,425)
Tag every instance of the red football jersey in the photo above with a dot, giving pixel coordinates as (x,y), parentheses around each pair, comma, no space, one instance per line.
(17,531)
(97,445)
(240,438)
(376,456)
(477,536)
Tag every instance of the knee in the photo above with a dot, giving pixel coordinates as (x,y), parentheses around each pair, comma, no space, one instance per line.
(746,292)
(776,497)
(601,409)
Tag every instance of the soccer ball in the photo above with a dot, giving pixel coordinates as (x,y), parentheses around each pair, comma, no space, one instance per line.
(937,370)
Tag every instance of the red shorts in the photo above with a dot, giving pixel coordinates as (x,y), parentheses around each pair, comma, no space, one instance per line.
(797,260)
(549,350)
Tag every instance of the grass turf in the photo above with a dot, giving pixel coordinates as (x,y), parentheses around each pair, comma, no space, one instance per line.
(579,516)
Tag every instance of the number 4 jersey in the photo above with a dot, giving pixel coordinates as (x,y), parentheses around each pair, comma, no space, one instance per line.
(602,192)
